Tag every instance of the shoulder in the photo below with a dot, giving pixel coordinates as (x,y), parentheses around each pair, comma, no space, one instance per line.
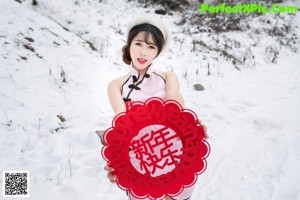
(173,87)
(166,74)
(169,76)
(172,81)
(118,82)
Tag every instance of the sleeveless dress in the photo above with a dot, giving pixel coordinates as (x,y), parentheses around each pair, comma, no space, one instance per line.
(152,84)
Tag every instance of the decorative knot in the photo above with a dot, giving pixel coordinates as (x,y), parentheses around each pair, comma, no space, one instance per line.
(132,86)
(134,78)
(126,99)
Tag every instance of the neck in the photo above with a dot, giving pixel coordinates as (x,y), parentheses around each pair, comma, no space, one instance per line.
(142,72)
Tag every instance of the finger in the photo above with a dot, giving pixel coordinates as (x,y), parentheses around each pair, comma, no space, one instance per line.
(205,128)
(112,178)
(205,131)
(206,136)
(109,169)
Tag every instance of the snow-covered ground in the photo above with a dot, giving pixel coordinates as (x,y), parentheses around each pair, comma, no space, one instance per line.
(252,115)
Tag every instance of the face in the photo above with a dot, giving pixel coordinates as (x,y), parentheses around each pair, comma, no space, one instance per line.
(142,54)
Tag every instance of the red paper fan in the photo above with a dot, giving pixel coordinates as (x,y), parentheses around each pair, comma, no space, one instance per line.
(157,148)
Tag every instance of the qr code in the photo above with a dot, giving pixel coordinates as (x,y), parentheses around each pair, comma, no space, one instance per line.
(16,184)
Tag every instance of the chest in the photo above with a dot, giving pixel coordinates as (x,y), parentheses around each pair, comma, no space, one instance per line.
(140,90)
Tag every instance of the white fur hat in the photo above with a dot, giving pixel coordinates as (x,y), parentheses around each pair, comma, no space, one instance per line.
(155,21)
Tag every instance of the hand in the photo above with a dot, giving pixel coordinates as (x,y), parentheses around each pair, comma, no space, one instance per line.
(112,178)
(205,131)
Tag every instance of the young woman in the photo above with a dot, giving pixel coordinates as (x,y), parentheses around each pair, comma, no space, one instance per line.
(147,39)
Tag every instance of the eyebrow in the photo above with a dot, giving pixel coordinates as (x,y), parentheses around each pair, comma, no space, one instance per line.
(145,42)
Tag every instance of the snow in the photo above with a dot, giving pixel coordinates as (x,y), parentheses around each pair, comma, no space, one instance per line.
(252,115)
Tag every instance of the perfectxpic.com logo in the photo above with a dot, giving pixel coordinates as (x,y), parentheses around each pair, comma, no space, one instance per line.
(247,8)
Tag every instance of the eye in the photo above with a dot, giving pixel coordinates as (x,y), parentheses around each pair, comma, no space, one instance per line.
(152,47)
(138,44)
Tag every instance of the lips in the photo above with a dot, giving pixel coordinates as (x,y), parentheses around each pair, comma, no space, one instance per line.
(141,60)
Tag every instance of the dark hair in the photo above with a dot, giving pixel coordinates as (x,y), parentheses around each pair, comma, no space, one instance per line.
(149,29)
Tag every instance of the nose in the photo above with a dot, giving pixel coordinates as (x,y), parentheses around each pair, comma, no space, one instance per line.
(143,51)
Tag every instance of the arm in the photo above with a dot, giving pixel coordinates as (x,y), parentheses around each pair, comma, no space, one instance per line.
(115,97)
(118,105)
(173,88)
(173,92)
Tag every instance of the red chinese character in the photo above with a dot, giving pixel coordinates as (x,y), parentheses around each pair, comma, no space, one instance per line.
(157,149)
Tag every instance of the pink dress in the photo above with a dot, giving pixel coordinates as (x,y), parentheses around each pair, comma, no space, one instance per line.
(152,84)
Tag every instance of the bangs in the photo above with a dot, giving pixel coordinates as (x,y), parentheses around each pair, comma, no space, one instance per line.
(147,38)
(149,30)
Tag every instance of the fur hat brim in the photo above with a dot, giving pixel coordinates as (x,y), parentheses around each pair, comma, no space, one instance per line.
(155,21)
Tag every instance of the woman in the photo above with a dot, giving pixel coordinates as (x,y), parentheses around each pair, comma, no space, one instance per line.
(147,39)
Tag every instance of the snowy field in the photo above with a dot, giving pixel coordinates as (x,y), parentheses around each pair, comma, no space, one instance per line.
(53,99)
